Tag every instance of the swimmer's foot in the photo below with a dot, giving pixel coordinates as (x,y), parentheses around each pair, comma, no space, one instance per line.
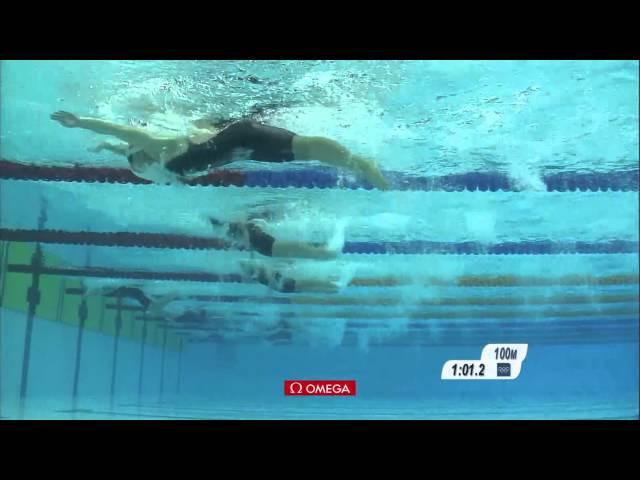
(370,171)
(374,175)
(336,242)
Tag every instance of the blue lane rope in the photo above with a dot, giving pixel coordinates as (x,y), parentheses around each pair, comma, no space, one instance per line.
(543,247)
(326,177)
(473,181)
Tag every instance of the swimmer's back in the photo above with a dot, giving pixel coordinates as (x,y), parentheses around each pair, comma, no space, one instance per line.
(241,140)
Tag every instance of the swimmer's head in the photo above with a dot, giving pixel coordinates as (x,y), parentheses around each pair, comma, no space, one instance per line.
(236,231)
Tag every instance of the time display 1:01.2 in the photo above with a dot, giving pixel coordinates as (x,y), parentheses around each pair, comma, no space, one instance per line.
(468,370)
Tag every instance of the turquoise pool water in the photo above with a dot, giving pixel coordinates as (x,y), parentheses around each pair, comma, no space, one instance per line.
(512,217)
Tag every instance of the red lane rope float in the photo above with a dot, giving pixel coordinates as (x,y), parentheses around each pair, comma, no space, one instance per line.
(131,274)
(115,239)
(19,171)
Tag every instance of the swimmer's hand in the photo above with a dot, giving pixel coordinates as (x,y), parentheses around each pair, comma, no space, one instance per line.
(65,119)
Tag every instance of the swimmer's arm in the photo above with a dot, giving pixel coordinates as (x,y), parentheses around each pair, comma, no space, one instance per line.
(131,135)
(121,149)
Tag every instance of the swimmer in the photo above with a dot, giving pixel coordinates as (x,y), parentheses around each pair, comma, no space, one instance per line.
(172,159)
(251,235)
(273,279)
(152,304)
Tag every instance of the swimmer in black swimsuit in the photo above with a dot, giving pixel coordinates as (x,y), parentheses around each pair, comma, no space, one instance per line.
(250,235)
(276,281)
(133,293)
(152,304)
(180,157)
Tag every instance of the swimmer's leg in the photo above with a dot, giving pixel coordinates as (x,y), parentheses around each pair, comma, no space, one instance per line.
(332,153)
(329,251)
(302,250)
(316,286)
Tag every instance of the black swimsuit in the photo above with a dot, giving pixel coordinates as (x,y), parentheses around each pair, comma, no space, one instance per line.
(259,240)
(261,142)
